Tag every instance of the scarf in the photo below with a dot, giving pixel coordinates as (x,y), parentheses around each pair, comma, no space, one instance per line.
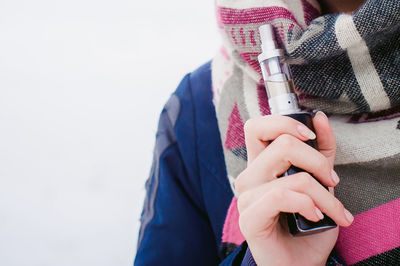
(345,65)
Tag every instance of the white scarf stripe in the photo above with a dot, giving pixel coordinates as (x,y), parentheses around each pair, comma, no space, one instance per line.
(251,97)
(364,70)
(297,8)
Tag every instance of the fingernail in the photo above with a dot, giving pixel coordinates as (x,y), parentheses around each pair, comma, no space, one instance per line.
(321,113)
(335,177)
(319,213)
(349,216)
(306,132)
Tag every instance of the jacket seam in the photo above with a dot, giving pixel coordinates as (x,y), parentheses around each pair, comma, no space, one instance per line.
(196,143)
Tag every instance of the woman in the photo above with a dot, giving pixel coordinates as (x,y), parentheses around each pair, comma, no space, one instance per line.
(213,194)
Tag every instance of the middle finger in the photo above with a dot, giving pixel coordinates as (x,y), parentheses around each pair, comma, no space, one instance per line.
(276,159)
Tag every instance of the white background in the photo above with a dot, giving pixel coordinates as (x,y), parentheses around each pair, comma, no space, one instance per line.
(82,83)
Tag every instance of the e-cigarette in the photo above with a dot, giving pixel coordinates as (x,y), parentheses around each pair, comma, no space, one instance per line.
(282,100)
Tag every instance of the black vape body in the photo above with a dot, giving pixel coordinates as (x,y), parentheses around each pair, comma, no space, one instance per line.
(298,225)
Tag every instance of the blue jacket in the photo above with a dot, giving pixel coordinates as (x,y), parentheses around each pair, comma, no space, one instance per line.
(188,193)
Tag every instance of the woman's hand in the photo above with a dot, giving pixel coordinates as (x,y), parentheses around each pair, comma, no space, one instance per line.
(262,196)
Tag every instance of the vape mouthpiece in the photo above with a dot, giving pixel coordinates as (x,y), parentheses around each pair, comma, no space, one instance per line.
(267,36)
(269,47)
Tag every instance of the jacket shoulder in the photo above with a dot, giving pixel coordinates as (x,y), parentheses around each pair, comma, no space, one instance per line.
(191,105)
(196,120)
(179,125)
(193,90)
(195,87)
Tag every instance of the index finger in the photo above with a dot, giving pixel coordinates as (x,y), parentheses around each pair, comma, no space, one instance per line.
(260,131)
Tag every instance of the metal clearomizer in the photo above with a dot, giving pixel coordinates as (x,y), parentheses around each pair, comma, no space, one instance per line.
(282,100)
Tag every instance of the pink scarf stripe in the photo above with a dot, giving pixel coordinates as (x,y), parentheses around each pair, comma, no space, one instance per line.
(310,12)
(251,60)
(231,232)
(230,16)
(373,232)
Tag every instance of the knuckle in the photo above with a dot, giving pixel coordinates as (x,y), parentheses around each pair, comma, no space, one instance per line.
(249,126)
(307,202)
(337,206)
(276,195)
(285,141)
(325,163)
(243,223)
(239,183)
(243,201)
(304,180)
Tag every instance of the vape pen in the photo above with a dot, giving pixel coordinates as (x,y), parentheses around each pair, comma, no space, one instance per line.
(283,100)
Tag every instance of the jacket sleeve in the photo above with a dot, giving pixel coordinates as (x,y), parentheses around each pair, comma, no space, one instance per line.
(175,229)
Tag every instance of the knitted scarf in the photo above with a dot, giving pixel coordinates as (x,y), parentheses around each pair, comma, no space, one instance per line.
(345,65)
